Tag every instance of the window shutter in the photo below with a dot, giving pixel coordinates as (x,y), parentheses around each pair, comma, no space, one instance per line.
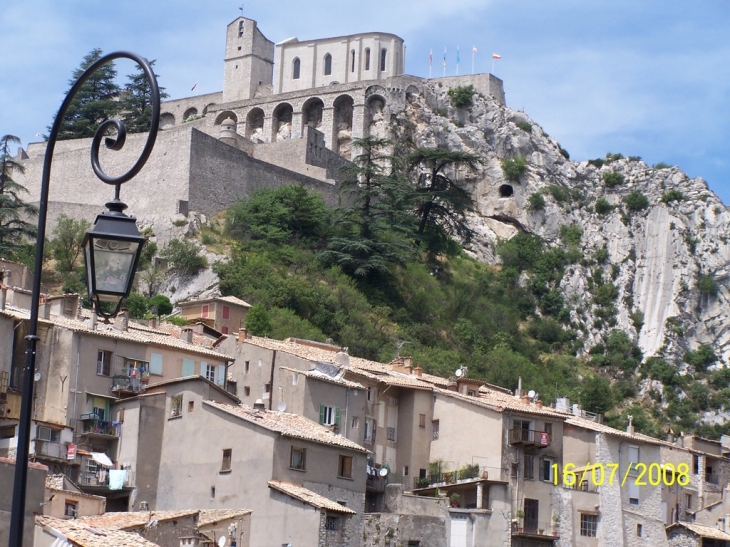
(337,416)
(220,375)
(322,410)
(156,363)
(542,469)
(188,367)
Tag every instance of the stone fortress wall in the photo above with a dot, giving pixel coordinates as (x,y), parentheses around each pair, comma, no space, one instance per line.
(215,148)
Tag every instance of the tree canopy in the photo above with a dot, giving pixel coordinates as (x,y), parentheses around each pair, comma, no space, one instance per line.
(14,228)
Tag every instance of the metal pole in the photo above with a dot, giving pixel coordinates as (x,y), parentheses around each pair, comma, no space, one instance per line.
(17,515)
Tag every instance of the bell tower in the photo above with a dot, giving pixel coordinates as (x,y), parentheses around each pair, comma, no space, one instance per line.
(249,60)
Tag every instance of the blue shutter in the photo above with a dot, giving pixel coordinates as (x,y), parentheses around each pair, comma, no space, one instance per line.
(188,367)
(156,363)
(337,417)
(220,375)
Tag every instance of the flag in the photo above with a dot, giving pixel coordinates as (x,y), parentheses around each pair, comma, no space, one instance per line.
(444,61)
(430,57)
(194,86)
(457,55)
(474,49)
(495,56)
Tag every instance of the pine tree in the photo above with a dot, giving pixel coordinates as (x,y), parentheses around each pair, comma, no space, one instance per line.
(441,203)
(13,210)
(96,100)
(136,103)
(370,232)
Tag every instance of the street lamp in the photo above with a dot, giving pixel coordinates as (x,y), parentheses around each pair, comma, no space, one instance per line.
(112,250)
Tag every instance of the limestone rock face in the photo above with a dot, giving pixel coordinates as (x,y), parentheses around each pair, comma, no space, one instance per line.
(656,255)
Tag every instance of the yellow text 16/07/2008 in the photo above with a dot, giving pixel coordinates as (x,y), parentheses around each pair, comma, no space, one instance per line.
(653,474)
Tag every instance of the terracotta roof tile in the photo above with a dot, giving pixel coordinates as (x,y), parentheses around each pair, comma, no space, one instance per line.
(703,531)
(134,519)
(312,498)
(290,425)
(208,517)
(83,534)
(30,464)
(320,376)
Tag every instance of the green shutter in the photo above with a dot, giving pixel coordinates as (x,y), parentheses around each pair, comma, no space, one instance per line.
(322,410)
(188,367)
(337,417)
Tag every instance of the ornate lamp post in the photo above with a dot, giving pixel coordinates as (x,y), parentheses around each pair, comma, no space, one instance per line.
(112,249)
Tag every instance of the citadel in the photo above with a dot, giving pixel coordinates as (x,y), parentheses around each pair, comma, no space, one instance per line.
(287,114)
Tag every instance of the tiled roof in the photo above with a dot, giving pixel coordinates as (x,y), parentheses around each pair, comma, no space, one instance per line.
(702,531)
(30,464)
(500,401)
(230,299)
(608,430)
(321,376)
(290,425)
(134,519)
(143,335)
(307,496)
(234,300)
(82,534)
(208,517)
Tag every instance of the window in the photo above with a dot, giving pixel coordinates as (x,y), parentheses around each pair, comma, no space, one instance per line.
(435,429)
(247,390)
(47,434)
(392,401)
(212,491)
(546,469)
(529,466)
(372,394)
(327,64)
(383,53)
(696,465)
(633,454)
(421,420)
(70,508)
(639,530)
(355,422)
(332,523)
(176,406)
(370,427)
(390,432)
(328,415)
(413,543)
(226,461)
(514,470)
(344,469)
(156,364)
(104,363)
(296,68)
(367,58)
(633,492)
(298,458)
(549,429)
(246,367)
(208,371)
(405,470)
(226,312)
(688,501)
(7,432)
(588,525)
(191,406)
(224,330)
(352,61)
(205,310)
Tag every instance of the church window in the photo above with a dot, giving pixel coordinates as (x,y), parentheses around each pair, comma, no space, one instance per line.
(327,64)
(352,61)
(383,53)
(367,58)
(296,68)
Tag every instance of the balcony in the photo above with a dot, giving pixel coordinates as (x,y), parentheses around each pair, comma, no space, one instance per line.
(528,437)
(50,449)
(376,483)
(95,481)
(125,385)
(537,534)
(93,427)
(469,473)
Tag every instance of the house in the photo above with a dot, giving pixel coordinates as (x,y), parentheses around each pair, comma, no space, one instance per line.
(226,314)
(65,500)
(34,498)
(689,534)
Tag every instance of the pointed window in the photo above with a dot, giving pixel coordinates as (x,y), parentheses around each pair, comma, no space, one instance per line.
(297,65)
(327,64)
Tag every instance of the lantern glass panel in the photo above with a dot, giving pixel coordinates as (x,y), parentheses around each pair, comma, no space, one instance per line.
(113,264)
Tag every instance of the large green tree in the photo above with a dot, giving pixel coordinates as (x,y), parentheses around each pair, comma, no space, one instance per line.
(13,210)
(371,225)
(67,242)
(441,203)
(97,100)
(136,102)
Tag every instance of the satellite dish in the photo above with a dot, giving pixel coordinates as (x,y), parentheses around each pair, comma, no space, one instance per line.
(459,373)
(531,393)
(281,406)
(37,376)
(383,471)
(222,541)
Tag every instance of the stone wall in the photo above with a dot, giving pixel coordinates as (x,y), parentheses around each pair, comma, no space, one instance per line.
(681,537)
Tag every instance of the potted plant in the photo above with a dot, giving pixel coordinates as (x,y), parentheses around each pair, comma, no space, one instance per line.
(541,531)
(455,499)
(520,514)
(556,523)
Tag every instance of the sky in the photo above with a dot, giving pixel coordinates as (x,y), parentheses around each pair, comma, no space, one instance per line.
(647,78)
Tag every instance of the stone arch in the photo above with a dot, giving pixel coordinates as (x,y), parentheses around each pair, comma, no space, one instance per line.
(281,122)
(224,115)
(375,89)
(192,111)
(312,110)
(327,64)
(207,107)
(342,143)
(166,120)
(377,116)
(506,191)
(255,125)
(296,68)
(411,91)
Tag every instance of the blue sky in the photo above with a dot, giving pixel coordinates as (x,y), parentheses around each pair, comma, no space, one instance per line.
(647,78)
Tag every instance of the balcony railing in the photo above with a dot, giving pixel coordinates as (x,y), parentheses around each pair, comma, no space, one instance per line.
(544,529)
(712,478)
(93,426)
(376,482)
(51,449)
(529,437)
(101,479)
(463,474)
(125,383)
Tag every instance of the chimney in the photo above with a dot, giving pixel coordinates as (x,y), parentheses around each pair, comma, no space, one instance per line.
(242,334)
(452,386)
(122,321)
(44,311)
(186,335)
(259,405)
(630,427)
(525,399)
(518,391)
(539,404)
(418,371)
(93,320)
(152,322)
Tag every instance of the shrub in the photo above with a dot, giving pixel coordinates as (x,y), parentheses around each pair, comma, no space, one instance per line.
(137,305)
(258,321)
(514,168)
(700,358)
(563,152)
(637,319)
(602,206)
(613,157)
(160,305)
(612,179)
(559,193)
(636,201)
(707,285)
(672,195)
(598,162)
(183,256)
(601,255)
(535,202)
(525,126)
(571,235)
(461,96)
(661,165)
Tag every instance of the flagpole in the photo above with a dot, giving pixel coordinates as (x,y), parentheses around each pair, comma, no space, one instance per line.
(458,60)
(444,63)
(473,53)
(430,62)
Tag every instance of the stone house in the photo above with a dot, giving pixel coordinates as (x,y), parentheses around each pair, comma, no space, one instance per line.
(65,500)
(34,498)
(689,534)
(226,314)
